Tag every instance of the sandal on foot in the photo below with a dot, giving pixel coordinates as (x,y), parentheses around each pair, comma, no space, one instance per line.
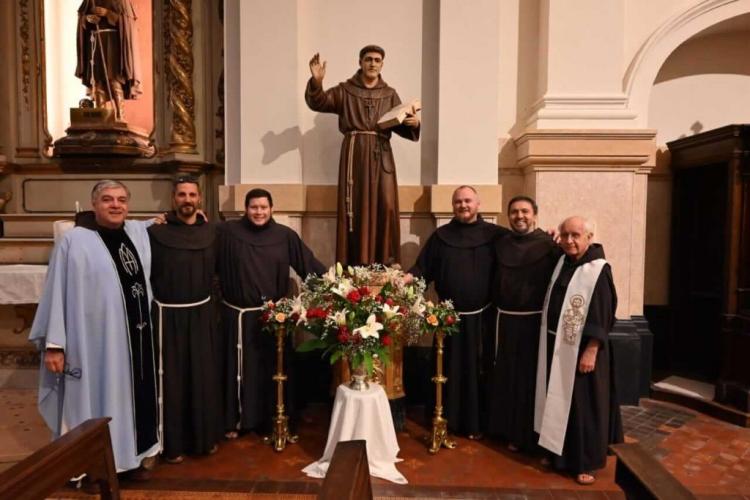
(585,479)
(174,460)
(231,435)
(214,449)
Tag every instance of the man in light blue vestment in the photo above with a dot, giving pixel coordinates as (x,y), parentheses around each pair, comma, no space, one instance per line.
(93,325)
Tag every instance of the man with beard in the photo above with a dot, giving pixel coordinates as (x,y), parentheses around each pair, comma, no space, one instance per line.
(94,328)
(576,412)
(254,256)
(183,267)
(458,257)
(367,228)
(525,258)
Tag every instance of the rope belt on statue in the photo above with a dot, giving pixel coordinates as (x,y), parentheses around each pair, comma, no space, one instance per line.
(241,311)
(471,313)
(162,306)
(509,313)
(350,172)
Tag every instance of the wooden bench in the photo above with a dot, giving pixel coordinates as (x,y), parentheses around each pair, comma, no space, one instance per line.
(641,476)
(85,449)
(348,476)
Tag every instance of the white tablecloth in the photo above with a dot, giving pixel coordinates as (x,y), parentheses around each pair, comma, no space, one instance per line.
(362,415)
(21,283)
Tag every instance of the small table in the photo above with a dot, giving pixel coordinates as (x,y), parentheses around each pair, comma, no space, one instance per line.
(362,415)
(22,285)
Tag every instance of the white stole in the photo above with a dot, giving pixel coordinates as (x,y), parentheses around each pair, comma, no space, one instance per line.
(552,404)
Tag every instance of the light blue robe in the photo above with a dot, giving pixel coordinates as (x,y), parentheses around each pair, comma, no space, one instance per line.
(82,309)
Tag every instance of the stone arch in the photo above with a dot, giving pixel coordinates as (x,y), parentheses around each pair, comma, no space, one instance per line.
(644,67)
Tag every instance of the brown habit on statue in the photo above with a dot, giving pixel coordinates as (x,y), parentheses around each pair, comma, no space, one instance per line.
(367,228)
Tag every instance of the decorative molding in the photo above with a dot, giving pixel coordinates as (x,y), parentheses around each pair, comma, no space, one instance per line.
(24,31)
(179,62)
(220,134)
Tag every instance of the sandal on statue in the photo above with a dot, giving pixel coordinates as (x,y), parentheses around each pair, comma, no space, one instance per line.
(231,435)
(585,479)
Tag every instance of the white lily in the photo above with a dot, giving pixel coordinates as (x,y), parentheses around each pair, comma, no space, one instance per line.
(370,329)
(343,288)
(390,311)
(339,317)
(330,276)
(339,269)
(417,307)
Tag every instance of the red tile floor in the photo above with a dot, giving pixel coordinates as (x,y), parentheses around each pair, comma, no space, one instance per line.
(708,456)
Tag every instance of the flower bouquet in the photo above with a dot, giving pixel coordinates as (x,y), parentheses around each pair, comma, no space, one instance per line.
(357,313)
(441,316)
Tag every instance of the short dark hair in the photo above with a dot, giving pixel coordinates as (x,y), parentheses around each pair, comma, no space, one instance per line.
(371,48)
(184,179)
(528,199)
(257,193)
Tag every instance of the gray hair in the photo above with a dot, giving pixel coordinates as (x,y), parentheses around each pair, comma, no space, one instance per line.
(588,226)
(107,184)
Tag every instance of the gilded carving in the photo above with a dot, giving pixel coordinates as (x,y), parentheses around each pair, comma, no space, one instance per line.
(179,43)
(25,33)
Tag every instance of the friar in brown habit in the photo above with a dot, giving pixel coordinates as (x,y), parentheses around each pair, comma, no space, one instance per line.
(107,54)
(367,228)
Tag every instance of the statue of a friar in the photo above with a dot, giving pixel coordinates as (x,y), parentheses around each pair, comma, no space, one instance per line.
(107,59)
(368,228)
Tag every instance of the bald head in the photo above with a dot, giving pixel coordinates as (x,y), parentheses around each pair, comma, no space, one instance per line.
(575,236)
(465,202)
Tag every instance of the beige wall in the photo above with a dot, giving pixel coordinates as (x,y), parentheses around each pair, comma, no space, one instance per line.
(703,85)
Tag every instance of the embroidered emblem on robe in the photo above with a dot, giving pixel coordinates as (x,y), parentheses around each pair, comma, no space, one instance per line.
(573,319)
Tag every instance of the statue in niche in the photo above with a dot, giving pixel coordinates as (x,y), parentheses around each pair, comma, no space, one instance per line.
(108,66)
(107,60)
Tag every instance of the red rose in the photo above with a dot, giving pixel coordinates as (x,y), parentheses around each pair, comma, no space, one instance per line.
(265,317)
(386,340)
(354,296)
(389,302)
(343,337)
(379,299)
(344,329)
(271,305)
(364,291)
(295,316)
(449,320)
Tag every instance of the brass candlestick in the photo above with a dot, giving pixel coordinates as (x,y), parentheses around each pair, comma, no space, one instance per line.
(280,435)
(439,424)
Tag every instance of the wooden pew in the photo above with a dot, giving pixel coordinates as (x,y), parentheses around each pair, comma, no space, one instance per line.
(87,448)
(641,476)
(348,476)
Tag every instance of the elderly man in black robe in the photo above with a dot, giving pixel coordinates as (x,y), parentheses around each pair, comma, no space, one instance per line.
(182,273)
(458,258)
(576,413)
(254,257)
(525,258)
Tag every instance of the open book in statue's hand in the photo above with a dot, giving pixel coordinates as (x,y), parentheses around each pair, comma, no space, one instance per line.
(397,115)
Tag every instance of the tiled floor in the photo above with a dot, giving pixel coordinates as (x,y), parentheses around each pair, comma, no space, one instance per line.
(710,457)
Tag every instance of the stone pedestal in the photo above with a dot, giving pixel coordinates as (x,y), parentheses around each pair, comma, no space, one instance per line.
(95,132)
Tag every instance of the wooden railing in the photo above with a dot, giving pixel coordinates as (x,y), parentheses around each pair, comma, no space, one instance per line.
(85,449)
(348,476)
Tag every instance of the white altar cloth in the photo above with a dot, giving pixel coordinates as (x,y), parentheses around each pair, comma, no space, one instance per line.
(362,415)
(21,283)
